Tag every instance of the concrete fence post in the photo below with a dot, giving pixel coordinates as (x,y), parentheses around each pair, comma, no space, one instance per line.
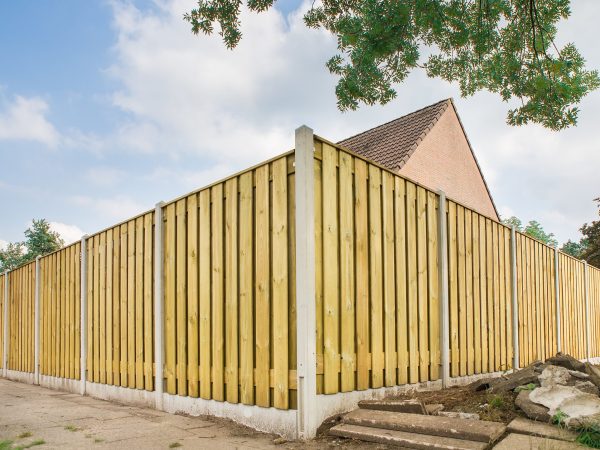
(515,303)
(557,300)
(306,327)
(83,325)
(36,323)
(158,304)
(587,309)
(443,286)
(5,329)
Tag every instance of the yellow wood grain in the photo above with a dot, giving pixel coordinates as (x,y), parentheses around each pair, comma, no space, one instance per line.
(376,276)
(346,265)
(412,279)
(180,297)
(433,285)
(423,294)
(116,363)
(148,301)
(246,328)
(280,283)
(131,304)
(453,286)
(363,356)
(123,306)
(262,285)
(170,299)
(318,213)
(331,288)
(139,303)
(389,279)
(462,291)
(102,306)
(231,290)
(469,292)
(192,295)
(217,309)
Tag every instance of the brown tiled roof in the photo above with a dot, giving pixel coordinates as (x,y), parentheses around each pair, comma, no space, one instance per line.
(392,143)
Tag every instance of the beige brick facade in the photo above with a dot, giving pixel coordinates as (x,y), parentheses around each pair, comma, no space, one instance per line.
(444,160)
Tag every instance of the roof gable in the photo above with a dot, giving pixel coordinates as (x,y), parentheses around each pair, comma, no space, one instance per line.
(392,143)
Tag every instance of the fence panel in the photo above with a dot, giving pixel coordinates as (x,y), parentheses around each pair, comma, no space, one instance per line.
(594,310)
(60,304)
(536,300)
(572,304)
(2,281)
(480,299)
(229,289)
(120,324)
(376,275)
(21,285)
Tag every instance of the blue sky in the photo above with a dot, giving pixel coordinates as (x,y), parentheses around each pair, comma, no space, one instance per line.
(107,107)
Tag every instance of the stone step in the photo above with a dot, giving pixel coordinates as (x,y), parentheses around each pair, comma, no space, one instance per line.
(522,441)
(404,439)
(521,425)
(472,430)
(412,406)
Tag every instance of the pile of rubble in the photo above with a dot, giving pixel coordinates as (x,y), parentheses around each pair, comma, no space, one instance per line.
(561,389)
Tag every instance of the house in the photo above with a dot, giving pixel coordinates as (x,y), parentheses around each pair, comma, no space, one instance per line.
(429,146)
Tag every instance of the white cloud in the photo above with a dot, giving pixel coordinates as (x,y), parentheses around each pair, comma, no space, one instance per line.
(188,99)
(108,209)
(69,233)
(25,119)
(3,244)
(104,176)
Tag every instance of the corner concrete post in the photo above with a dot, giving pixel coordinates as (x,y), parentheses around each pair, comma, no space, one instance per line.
(83,326)
(513,290)
(158,304)
(5,330)
(443,286)
(557,301)
(587,309)
(306,325)
(36,322)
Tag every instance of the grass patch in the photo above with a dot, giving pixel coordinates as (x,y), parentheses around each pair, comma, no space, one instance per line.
(98,440)
(175,445)
(25,435)
(8,445)
(71,428)
(559,418)
(36,442)
(496,402)
(589,435)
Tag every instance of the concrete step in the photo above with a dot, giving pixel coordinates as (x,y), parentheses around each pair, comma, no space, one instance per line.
(521,425)
(404,439)
(472,430)
(413,406)
(521,441)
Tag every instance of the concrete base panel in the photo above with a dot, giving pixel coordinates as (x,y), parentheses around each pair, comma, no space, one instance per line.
(137,397)
(268,420)
(60,384)
(23,377)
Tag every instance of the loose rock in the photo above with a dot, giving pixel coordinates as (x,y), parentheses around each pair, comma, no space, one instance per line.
(553,375)
(567,361)
(459,415)
(531,409)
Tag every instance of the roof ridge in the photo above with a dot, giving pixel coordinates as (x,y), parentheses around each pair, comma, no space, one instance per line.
(446,100)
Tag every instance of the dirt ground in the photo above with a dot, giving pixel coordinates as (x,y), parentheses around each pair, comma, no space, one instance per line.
(40,418)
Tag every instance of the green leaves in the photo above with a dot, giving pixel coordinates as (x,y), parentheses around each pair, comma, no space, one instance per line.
(502,46)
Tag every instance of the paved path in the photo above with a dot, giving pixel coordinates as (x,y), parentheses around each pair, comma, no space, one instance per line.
(70,421)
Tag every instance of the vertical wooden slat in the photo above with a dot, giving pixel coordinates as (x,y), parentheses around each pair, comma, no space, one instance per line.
(401,279)
(433,285)
(131,305)
(412,267)
(389,281)
(346,205)
(376,276)
(231,290)
(205,294)
(262,286)
(180,297)
(462,291)
(148,302)
(109,310)
(330,271)
(453,286)
(423,294)
(363,357)
(123,307)
(469,293)
(116,364)
(217,337)
(192,294)
(280,284)
(139,303)
(246,290)
(170,299)
(102,306)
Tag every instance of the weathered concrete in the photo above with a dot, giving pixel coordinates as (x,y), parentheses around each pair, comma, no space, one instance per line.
(404,439)
(473,430)
(524,426)
(413,406)
(531,409)
(523,442)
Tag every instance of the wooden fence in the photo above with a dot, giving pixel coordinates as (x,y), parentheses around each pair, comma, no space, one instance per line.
(225,265)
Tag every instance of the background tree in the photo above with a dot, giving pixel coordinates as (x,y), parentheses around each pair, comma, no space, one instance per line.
(39,240)
(575,249)
(533,229)
(503,46)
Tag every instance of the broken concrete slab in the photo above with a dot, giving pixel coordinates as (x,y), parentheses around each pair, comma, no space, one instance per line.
(459,415)
(531,409)
(566,361)
(412,406)
(525,426)
(553,375)
(587,386)
(594,373)
(522,441)
(567,399)
(404,439)
(475,430)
